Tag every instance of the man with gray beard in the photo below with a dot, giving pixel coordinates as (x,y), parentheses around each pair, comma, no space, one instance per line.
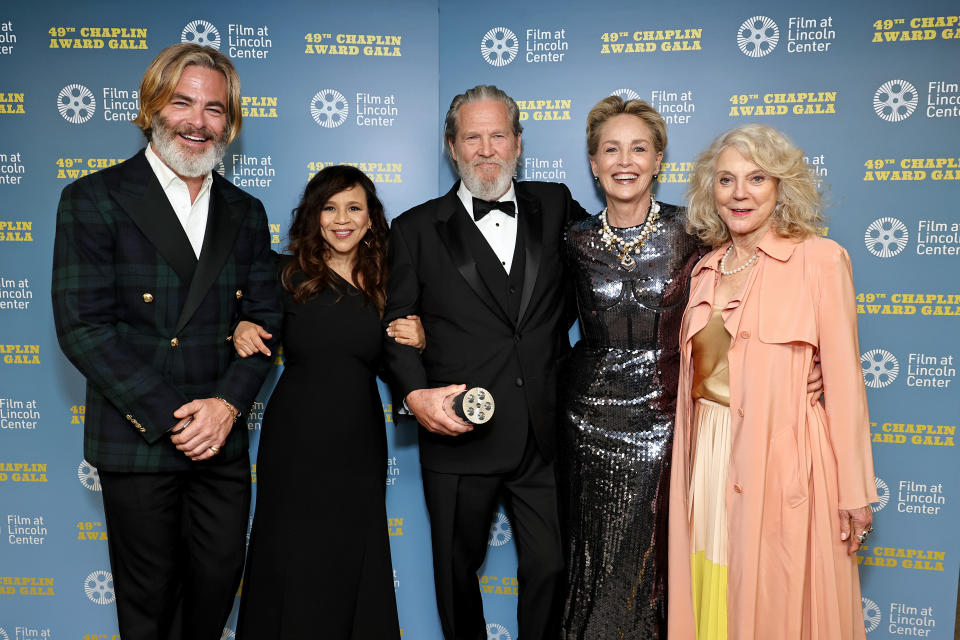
(155,260)
(482,267)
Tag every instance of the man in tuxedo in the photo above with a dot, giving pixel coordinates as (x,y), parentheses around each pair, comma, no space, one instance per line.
(153,260)
(482,267)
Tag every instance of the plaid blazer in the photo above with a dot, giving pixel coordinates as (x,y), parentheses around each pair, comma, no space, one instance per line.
(147,322)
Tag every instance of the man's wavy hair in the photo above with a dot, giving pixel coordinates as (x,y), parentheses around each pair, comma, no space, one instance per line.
(161,78)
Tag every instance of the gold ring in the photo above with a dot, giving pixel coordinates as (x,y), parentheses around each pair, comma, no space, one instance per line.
(215,449)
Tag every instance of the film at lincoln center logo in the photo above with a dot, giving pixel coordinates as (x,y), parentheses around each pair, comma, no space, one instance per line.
(89,476)
(201,32)
(329,108)
(499,46)
(500,531)
(895,100)
(880,368)
(99,587)
(883,492)
(886,237)
(871,614)
(76,103)
(758,36)
(497,632)
(626,94)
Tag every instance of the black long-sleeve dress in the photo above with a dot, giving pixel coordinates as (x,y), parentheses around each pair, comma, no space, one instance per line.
(319,557)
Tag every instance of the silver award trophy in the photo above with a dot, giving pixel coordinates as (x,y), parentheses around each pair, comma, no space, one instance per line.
(474,405)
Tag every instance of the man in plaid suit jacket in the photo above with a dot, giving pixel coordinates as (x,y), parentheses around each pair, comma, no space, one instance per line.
(154,261)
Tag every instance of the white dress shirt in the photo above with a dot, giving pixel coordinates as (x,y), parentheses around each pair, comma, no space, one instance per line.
(192,216)
(497,227)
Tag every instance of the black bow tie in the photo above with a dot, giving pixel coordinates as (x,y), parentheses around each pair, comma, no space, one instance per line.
(483,207)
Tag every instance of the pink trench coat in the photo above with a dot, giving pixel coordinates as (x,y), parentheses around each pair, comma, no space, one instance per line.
(792,465)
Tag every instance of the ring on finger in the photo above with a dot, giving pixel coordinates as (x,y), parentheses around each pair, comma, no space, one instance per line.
(215,449)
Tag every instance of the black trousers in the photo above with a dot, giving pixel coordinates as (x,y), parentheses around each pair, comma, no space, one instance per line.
(461,510)
(177,542)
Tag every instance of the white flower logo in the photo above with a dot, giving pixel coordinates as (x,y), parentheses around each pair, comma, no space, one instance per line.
(758,36)
(880,368)
(76,103)
(500,531)
(499,46)
(201,32)
(895,100)
(329,108)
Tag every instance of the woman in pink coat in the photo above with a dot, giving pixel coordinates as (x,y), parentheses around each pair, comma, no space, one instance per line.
(770,492)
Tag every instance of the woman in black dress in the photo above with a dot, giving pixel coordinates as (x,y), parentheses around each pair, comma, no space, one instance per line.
(319,556)
(631,266)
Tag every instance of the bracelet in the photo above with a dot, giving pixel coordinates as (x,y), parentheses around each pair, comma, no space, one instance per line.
(233,411)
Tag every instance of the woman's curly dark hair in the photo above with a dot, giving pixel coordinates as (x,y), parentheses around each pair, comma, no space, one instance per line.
(310,250)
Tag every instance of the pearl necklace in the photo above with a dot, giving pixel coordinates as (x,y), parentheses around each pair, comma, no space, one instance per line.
(723,262)
(619,246)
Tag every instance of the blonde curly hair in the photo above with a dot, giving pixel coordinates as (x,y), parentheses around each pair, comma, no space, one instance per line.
(799,210)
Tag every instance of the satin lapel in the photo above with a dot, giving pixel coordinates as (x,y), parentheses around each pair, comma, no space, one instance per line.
(452,228)
(529,223)
(223,225)
(700,307)
(139,194)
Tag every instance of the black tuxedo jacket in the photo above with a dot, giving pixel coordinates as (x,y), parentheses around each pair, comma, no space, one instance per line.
(478,333)
(146,321)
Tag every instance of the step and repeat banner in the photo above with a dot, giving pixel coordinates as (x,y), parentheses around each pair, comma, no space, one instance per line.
(322,83)
(871,93)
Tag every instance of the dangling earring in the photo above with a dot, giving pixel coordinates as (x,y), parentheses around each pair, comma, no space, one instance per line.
(366,237)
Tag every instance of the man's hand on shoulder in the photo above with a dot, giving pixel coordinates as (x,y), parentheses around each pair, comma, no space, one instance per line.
(203,427)
(433,408)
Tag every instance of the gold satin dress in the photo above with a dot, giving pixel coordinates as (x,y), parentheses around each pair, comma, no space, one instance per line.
(708,513)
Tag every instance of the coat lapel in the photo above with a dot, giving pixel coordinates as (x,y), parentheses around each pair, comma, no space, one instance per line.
(453,231)
(223,225)
(530,224)
(140,195)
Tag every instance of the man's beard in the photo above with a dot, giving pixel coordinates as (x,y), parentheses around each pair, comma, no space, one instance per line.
(185,162)
(488,188)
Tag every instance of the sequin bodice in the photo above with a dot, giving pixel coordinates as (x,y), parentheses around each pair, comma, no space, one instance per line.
(621,308)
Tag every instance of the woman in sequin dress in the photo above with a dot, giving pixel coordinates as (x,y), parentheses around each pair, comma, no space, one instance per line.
(631,266)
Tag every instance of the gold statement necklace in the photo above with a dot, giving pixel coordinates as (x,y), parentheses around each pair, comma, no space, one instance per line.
(624,249)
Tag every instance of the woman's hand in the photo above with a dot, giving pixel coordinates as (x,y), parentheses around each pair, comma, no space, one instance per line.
(248,339)
(855,526)
(815,380)
(408,331)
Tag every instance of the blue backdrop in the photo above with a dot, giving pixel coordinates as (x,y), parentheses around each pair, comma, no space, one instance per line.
(872,93)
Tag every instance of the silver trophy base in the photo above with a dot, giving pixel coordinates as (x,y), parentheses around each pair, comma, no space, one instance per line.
(474,405)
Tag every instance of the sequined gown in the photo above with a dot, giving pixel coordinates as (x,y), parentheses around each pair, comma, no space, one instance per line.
(619,397)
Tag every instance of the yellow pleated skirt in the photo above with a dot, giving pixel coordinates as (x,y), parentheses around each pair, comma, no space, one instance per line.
(708,519)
